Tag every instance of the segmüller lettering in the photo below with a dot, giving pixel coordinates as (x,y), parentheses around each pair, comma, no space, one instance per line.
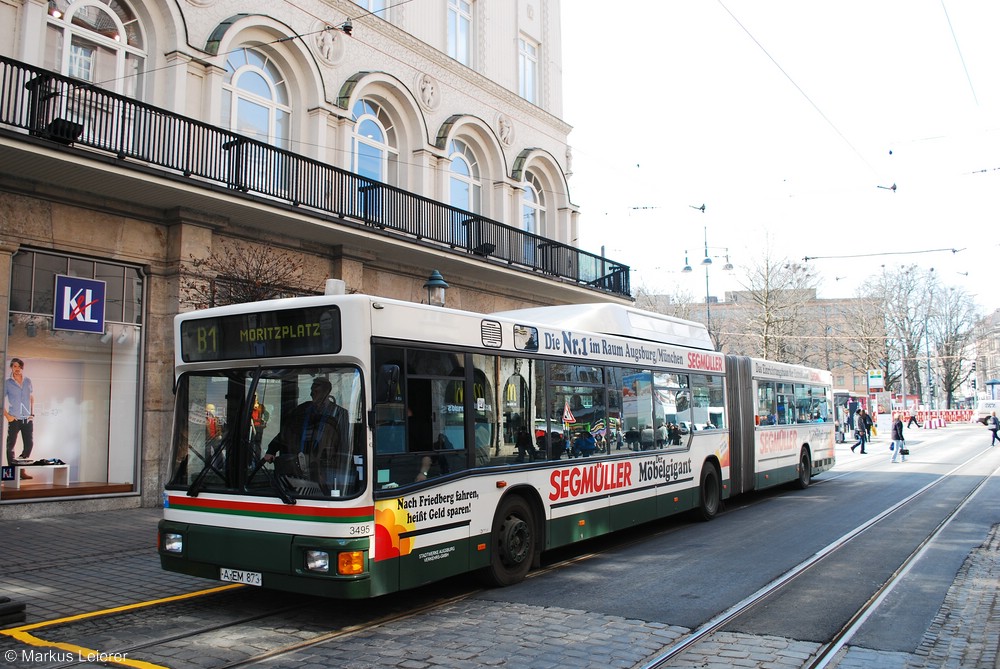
(590,479)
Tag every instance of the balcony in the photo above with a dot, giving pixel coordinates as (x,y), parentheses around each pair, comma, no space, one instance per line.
(84,118)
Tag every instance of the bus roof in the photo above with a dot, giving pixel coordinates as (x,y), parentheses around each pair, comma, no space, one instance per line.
(616,319)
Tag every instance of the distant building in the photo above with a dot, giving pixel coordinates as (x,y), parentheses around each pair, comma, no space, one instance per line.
(987,358)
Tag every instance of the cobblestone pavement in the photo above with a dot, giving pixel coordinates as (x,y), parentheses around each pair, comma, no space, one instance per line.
(72,564)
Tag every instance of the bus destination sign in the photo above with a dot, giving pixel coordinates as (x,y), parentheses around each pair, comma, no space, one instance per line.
(267,334)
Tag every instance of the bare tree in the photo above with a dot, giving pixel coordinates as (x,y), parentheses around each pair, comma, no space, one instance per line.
(679,303)
(775,311)
(242,273)
(952,329)
(864,324)
(905,297)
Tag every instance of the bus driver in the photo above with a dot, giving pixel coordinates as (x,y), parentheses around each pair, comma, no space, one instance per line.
(312,437)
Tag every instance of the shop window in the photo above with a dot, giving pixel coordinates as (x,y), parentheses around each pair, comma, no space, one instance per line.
(86,384)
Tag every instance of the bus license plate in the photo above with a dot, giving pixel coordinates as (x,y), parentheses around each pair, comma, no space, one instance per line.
(240,576)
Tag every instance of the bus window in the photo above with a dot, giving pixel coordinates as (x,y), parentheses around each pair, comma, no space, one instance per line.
(614,437)
(785,403)
(822,404)
(559,371)
(389,412)
(549,441)
(484,414)
(518,415)
(293,444)
(581,410)
(637,405)
(419,433)
(766,411)
(708,400)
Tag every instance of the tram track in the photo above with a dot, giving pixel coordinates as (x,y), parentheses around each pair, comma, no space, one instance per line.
(604,545)
(827,652)
(68,635)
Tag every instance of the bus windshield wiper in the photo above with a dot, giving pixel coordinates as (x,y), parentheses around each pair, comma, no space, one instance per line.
(277,483)
(199,481)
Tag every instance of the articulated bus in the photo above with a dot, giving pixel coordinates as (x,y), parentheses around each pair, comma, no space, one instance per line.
(352,446)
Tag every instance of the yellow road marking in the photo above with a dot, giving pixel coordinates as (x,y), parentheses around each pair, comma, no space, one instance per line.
(22,633)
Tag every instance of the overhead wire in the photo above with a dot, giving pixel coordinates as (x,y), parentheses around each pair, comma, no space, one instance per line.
(961,57)
(882,253)
(795,84)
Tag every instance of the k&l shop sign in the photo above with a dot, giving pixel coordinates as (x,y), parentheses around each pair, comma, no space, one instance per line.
(79,304)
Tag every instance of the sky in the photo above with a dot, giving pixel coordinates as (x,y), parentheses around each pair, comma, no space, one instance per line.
(790,120)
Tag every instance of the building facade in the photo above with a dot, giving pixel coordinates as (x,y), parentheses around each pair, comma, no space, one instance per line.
(985,381)
(144,142)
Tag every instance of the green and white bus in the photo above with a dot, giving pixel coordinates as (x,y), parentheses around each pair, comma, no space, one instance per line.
(352,446)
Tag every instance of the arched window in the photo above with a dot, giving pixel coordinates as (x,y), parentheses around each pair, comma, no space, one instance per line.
(533,221)
(533,205)
(255,97)
(465,188)
(375,154)
(99,41)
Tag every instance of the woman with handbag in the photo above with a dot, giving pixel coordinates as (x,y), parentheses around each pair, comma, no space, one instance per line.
(898,444)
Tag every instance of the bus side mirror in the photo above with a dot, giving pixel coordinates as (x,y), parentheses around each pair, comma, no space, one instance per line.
(387,384)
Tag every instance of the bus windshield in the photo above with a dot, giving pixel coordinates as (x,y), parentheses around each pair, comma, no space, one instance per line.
(282,432)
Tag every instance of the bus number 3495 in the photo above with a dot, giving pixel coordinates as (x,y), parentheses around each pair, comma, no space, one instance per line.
(360,530)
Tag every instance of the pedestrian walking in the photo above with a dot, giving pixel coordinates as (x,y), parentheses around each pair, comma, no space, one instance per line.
(867,422)
(913,419)
(898,443)
(991,423)
(860,433)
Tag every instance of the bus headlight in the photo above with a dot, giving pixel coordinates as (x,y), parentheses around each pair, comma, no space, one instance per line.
(318,561)
(350,563)
(173,542)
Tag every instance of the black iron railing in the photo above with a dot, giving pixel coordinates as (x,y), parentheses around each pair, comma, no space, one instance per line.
(71,112)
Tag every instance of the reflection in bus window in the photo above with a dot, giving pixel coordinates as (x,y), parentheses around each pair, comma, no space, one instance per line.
(575,373)
(812,404)
(765,403)
(518,435)
(484,407)
(708,410)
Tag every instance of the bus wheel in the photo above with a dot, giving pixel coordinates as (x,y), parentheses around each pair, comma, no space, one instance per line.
(805,471)
(513,543)
(709,493)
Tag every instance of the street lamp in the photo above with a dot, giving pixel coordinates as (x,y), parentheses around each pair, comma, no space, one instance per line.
(707,262)
(435,286)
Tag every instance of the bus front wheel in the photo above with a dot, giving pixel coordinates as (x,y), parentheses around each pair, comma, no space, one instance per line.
(513,543)
(709,493)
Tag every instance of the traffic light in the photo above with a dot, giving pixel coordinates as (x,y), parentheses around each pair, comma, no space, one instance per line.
(973,365)
(973,384)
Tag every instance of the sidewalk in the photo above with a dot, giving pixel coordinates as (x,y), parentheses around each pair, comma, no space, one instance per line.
(72,564)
